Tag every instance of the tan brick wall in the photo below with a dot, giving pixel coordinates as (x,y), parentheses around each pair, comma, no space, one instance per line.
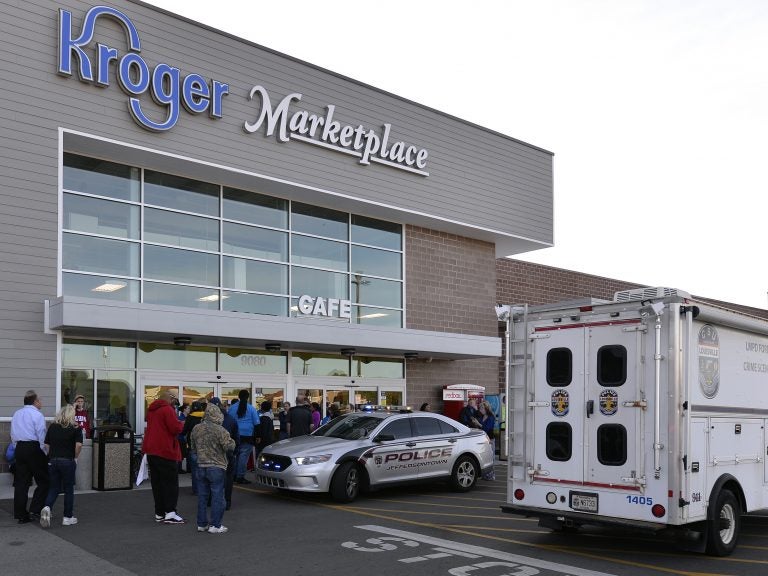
(450,287)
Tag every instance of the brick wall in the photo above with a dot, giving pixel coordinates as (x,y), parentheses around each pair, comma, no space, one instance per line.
(520,282)
(450,287)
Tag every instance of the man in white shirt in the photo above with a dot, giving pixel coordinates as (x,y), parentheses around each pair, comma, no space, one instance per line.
(28,433)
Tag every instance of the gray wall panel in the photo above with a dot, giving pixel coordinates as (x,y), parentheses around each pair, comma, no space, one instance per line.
(478,178)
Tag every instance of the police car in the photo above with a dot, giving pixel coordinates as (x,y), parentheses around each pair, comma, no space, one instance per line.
(370,449)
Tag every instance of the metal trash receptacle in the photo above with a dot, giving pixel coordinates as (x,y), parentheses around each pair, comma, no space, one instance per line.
(113,458)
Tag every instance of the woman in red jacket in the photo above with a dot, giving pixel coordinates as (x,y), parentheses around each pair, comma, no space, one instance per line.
(161,445)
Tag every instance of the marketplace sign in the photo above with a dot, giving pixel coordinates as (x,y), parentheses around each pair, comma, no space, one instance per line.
(175,93)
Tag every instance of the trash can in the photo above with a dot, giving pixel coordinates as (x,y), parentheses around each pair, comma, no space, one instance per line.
(113,458)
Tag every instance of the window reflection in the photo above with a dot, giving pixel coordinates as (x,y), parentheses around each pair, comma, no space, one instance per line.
(181,230)
(101,287)
(90,254)
(242,274)
(319,253)
(376,232)
(320,283)
(311,364)
(104,217)
(181,193)
(319,221)
(176,295)
(177,265)
(169,357)
(376,262)
(93,176)
(255,208)
(255,242)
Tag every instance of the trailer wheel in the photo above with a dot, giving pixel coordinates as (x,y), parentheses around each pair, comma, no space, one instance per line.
(345,484)
(465,474)
(723,524)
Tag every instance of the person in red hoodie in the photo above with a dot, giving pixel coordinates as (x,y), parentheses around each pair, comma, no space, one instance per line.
(161,445)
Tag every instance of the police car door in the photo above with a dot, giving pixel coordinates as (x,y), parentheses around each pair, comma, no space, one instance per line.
(436,446)
(613,404)
(391,459)
(558,406)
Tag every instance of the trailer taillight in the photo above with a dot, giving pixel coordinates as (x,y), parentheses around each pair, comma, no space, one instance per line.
(519,494)
(658,510)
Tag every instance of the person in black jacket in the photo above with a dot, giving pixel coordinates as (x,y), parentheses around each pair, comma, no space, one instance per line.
(196,413)
(266,430)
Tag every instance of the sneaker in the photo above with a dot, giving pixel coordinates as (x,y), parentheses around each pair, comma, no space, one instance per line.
(159,517)
(202,528)
(217,530)
(45,517)
(69,521)
(173,518)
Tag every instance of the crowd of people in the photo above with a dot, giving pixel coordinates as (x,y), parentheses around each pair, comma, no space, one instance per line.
(216,441)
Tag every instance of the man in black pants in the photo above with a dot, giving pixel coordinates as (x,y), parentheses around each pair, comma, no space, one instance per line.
(28,432)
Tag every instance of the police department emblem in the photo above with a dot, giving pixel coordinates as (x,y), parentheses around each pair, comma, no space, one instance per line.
(709,360)
(377,460)
(609,402)
(560,402)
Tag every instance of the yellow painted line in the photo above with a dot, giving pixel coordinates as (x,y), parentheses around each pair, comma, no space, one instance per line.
(419,503)
(416,512)
(491,529)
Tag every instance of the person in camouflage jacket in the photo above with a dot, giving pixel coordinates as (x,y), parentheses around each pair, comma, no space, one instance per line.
(212,443)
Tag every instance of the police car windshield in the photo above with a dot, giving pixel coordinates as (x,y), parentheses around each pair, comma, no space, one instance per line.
(350,427)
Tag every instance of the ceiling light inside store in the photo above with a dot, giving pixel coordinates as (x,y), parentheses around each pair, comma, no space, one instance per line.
(211,298)
(374,315)
(110,287)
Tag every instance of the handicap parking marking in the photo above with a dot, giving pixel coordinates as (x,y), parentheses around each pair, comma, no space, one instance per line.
(392,539)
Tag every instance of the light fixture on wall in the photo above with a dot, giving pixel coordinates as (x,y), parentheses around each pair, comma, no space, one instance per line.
(182,341)
(348,351)
(272,347)
(410,355)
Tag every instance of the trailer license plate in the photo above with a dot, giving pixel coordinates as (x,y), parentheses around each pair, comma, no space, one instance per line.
(584,501)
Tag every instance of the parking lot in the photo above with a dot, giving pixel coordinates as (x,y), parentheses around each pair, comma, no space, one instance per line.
(413,530)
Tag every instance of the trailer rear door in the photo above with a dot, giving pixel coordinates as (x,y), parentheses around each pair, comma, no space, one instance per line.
(587,409)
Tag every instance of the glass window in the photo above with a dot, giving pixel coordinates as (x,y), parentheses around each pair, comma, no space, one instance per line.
(252,361)
(90,254)
(367,367)
(376,292)
(319,283)
(376,232)
(255,304)
(175,295)
(309,364)
(242,274)
(377,316)
(100,177)
(426,426)
(74,382)
(400,429)
(181,193)
(196,392)
(319,221)
(274,396)
(170,357)
(177,265)
(319,253)
(102,287)
(612,365)
(376,262)
(255,208)
(180,229)
(612,444)
(105,217)
(559,366)
(116,398)
(255,242)
(338,398)
(446,428)
(559,441)
(98,354)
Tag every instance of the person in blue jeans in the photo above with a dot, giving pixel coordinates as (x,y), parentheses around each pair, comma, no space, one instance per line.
(247,423)
(212,443)
(64,439)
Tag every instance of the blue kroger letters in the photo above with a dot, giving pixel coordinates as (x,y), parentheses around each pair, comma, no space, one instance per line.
(164,83)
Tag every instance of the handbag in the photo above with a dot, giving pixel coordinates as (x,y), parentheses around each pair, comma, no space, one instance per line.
(10,452)
(143,473)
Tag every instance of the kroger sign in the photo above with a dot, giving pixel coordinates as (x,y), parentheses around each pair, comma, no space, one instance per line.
(176,92)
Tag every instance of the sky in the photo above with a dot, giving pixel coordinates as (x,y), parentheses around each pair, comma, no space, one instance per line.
(656,111)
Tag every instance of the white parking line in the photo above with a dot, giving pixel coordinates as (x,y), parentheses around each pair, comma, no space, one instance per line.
(468,550)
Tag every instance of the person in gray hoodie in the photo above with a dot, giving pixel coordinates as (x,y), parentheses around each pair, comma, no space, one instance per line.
(212,443)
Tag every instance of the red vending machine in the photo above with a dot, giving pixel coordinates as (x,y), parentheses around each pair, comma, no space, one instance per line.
(456,395)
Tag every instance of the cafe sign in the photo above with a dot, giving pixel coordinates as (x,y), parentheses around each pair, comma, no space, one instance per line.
(328,307)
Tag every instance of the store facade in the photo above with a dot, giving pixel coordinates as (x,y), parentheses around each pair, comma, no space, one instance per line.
(185,209)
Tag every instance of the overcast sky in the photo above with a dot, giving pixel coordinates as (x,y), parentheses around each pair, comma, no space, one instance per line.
(655,110)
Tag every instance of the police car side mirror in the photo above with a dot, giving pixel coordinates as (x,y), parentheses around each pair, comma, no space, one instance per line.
(384,438)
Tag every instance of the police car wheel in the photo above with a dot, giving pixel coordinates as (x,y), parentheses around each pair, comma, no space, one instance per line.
(465,474)
(345,485)
(723,524)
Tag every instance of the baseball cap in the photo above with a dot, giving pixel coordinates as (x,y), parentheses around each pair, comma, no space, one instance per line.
(78,397)
(215,400)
